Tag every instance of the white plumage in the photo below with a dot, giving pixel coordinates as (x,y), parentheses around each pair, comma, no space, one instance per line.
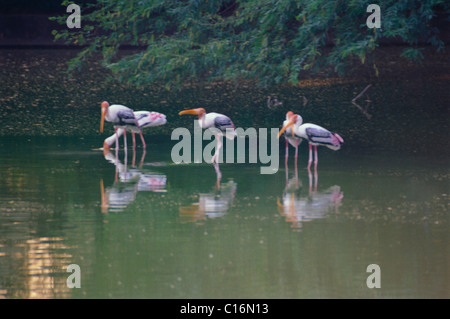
(120,116)
(314,134)
(221,122)
(317,135)
(145,119)
(290,137)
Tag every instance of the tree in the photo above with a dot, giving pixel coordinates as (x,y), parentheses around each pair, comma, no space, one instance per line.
(266,41)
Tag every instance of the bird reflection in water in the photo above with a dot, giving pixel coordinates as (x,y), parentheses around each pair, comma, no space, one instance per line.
(128,182)
(210,205)
(298,208)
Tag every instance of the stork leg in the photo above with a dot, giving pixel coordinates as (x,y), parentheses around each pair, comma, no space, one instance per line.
(142,158)
(316,158)
(218,174)
(286,167)
(286,153)
(296,153)
(125,161)
(316,179)
(310,156)
(125,149)
(296,173)
(134,140)
(125,139)
(133,161)
(117,144)
(215,160)
(218,146)
(142,139)
(311,177)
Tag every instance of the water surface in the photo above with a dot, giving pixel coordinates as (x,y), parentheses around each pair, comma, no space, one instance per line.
(143,227)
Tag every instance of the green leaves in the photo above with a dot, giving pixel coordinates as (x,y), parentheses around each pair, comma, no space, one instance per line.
(265,41)
(412,54)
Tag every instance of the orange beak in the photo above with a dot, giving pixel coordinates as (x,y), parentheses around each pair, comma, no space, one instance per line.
(105,106)
(106,149)
(290,122)
(193,111)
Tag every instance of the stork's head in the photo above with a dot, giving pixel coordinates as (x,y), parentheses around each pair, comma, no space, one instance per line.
(289,114)
(104,107)
(199,111)
(106,148)
(291,120)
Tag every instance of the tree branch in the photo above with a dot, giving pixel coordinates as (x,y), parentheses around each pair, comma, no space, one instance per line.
(362,92)
(367,115)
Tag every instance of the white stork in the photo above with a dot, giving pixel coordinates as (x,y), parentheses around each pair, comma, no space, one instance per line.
(121,117)
(214,120)
(145,119)
(291,138)
(314,134)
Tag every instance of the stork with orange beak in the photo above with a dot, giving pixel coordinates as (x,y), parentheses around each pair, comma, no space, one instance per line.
(121,117)
(314,134)
(214,120)
(290,137)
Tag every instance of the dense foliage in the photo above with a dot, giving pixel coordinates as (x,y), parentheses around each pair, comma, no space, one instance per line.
(268,41)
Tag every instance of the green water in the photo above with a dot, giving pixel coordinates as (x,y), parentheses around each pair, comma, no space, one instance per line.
(142,227)
(159,230)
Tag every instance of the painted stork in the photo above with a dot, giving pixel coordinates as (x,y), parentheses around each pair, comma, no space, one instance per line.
(121,117)
(145,119)
(314,134)
(214,120)
(291,138)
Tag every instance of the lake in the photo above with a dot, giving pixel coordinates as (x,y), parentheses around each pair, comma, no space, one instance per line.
(140,226)
(154,229)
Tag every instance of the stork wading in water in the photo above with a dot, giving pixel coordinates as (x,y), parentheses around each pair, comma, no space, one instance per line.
(314,134)
(121,117)
(221,122)
(145,119)
(291,138)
